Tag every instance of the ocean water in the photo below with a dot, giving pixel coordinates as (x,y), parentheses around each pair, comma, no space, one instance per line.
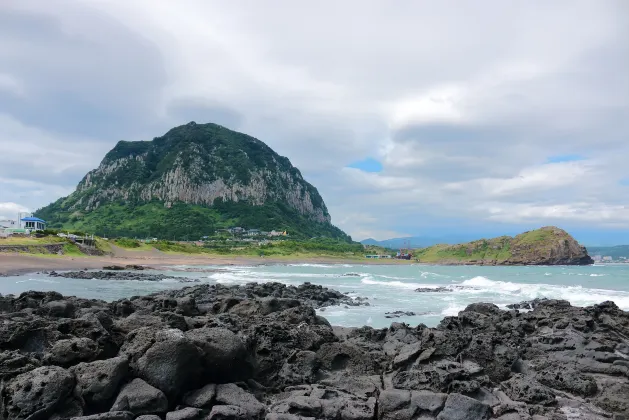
(388,288)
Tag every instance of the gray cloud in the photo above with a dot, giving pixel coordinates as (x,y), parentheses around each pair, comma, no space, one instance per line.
(463,105)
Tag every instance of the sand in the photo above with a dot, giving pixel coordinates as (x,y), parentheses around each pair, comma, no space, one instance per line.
(13,263)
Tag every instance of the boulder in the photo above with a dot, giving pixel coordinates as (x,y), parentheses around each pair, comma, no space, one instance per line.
(460,407)
(97,382)
(528,390)
(140,398)
(171,365)
(36,394)
(148,417)
(201,398)
(231,394)
(72,351)
(224,357)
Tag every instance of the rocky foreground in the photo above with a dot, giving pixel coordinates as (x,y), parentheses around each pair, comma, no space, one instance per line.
(261,352)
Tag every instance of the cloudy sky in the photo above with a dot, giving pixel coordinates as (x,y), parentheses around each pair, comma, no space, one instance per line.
(410,117)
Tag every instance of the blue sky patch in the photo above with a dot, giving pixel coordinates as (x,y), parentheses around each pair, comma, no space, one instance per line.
(367,165)
(625,182)
(565,158)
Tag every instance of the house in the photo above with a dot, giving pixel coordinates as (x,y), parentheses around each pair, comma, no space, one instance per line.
(33,223)
(253,232)
(236,230)
(275,233)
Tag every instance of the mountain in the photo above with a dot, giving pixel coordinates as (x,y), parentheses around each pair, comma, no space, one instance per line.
(189,182)
(546,246)
(610,251)
(418,241)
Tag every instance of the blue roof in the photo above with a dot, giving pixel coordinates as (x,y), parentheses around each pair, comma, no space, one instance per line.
(33,219)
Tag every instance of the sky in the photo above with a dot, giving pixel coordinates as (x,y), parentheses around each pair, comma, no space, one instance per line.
(410,117)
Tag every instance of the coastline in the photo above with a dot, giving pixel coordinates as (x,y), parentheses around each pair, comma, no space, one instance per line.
(16,264)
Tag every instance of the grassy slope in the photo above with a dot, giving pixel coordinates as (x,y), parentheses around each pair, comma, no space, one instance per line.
(501,249)
(183,221)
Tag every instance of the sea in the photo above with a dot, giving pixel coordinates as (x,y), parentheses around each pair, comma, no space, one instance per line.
(388,288)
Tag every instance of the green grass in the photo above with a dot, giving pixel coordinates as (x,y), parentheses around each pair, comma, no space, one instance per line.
(14,240)
(72,249)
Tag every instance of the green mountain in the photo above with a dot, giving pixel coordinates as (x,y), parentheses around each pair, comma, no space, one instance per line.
(188,183)
(546,246)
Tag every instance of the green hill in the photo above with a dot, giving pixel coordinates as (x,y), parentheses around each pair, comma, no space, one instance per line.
(188,183)
(545,246)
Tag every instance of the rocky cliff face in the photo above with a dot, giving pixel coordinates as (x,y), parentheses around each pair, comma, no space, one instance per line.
(546,246)
(207,176)
(199,164)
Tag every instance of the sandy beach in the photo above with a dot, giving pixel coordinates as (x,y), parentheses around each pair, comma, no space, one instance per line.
(24,263)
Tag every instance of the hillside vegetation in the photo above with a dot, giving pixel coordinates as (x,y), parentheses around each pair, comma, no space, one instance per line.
(188,183)
(545,246)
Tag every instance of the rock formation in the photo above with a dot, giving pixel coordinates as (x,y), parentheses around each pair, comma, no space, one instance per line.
(183,175)
(260,351)
(545,246)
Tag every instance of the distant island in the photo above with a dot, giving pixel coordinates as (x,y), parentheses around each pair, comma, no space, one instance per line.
(545,246)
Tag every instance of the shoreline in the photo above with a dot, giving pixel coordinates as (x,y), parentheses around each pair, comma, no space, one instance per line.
(17,264)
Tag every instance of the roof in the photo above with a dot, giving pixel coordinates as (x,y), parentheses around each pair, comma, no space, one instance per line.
(33,219)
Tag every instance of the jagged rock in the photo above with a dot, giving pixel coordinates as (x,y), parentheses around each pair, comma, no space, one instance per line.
(97,382)
(148,417)
(36,394)
(140,398)
(521,388)
(300,368)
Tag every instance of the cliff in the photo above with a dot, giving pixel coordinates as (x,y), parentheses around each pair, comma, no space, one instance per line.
(546,246)
(192,180)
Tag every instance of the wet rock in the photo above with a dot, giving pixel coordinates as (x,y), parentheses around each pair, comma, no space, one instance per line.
(139,397)
(398,314)
(119,275)
(433,290)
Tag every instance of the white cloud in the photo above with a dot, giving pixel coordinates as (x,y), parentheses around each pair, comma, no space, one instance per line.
(9,211)
(462,104)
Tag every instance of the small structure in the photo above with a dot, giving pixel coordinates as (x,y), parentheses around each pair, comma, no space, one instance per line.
(33,223)
(236,230)
(253,232)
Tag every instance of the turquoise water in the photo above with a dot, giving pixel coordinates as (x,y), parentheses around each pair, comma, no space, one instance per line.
(389,288)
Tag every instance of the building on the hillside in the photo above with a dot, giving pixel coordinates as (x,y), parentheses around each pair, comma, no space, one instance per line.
(276,233)
(253,232)
(236,230)
(33,223)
